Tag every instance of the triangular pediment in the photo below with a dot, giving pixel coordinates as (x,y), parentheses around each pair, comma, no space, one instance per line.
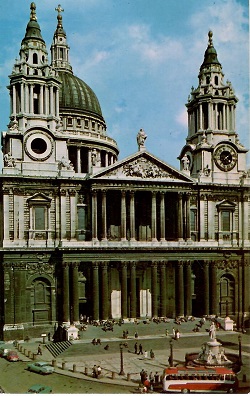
(39,198)
(142,166)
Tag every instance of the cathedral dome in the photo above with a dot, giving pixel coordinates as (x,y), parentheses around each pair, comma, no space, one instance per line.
(75,94)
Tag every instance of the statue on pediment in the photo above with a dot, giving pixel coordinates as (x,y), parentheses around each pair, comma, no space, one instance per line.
(141,137)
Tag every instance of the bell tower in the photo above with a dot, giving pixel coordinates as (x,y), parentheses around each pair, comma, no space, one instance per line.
(33,139)
(212,152)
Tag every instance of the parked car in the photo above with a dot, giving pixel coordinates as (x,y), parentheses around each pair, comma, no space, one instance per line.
(1,390)
(41,367)
(3,352)
(12,356)
(37,388)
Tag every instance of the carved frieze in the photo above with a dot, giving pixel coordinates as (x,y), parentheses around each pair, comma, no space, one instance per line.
(40,268)
(227,265)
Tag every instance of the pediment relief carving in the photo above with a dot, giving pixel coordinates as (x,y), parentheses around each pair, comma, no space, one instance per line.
(141,168)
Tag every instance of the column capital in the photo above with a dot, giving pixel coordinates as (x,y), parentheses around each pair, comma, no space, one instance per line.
(75,265)
(124,264)
(154,264)
(180,264)
(65,264)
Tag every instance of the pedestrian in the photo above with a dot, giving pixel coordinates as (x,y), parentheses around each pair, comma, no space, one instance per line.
(99,371)
(126,334)
(94,371)
(156,377)
(136,335)
(142,375)
(136,348)
(39,350)
(173,332)
(167,333)
(177,335)
(48,336)
(151,380)
(152,355)
(123,334)
(146,354)
(140,350)
(106,347)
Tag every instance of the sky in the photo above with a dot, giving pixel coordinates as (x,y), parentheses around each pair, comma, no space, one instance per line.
(141,58)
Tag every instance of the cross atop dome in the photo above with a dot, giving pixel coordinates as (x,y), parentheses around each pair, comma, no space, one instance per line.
(210,38)
(59,9)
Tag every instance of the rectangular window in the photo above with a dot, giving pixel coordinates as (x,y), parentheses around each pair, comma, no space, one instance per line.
(225,220)
(39,221)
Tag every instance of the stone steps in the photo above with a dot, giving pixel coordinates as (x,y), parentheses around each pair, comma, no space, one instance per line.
(56,348)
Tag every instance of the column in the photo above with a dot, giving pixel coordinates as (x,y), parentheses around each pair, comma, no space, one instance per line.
(95,289)
(224,117)
(51,100)
(57,103)
(200,114)
(75,293)
(180,294)
(31,99)
(163,286)
(46,100)
(104,216)
(133,289)
(14,101)
(22,98)
(72,195)
(202,218)
(154,289)
(94,215)
(63,214)
(188,236)
(132,215)
(26,99)
(65,293)
(154,218)
(188,296)
(19,293)
(210,215)
(123,215)
(105,296)
(41,100)
(214,307)
(162,216)
(240,295)
(124,291)
(246,280)
(78,154)
(216,116)
(180,217)
(6,214)
(210,115)
(206,287)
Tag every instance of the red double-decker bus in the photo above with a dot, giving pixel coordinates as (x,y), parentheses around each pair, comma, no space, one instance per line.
(199,379)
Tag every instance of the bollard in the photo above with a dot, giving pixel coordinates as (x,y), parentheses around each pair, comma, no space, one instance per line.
(74,368)
(21,348)
(24,352)
(113,375)
(34,356)
(244,378)
(54,363)
(63,365)
(86,371)
(128,377)
(30,354)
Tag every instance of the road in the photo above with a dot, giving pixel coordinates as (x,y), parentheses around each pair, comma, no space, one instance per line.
(11,371)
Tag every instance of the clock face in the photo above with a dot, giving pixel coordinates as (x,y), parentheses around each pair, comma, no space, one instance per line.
(225,157)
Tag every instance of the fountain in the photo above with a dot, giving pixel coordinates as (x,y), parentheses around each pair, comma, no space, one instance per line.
(212,354)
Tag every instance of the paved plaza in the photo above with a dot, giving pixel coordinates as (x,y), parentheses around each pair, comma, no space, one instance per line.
(82,355)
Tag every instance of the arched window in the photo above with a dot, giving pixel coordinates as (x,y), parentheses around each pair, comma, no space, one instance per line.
(35,59)
(216,80)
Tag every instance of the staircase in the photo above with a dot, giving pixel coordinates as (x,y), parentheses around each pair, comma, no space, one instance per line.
(55,348)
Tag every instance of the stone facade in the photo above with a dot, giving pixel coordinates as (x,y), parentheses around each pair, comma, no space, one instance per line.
(85,234)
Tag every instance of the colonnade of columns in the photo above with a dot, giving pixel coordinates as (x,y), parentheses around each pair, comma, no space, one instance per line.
(86,159)
(23,96)
(128,228)
(219,116)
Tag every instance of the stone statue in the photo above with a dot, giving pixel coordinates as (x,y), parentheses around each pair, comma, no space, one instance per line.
(65,163)
(185,162)
(9,161)
(141,137)
(212,331)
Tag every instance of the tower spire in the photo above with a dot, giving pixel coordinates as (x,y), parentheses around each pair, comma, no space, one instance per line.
(59,47)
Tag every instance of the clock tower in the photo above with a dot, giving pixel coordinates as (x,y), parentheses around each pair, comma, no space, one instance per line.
(213,152)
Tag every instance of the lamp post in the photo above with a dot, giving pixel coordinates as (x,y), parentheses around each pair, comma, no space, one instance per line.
(121,355)
(240,355)
(171,358)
